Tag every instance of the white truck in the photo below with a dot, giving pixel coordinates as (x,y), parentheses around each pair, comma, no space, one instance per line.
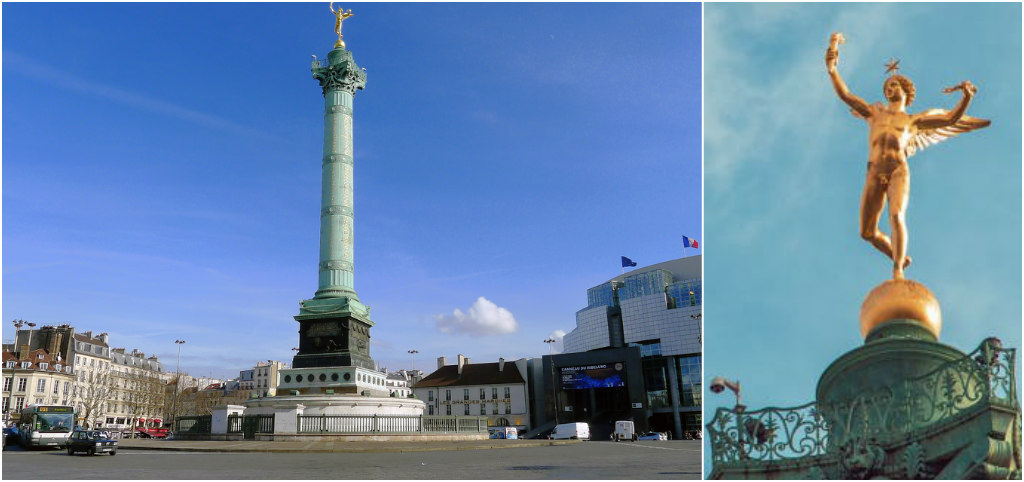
(575,430)
(624,430)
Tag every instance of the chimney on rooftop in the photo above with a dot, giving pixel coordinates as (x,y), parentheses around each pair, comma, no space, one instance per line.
(462,361)
(441,362)
(501,365)
(104,337)
(87,334)
(23,353)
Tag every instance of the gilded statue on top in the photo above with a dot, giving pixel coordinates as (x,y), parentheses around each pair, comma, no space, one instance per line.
(339,16)
(894,135)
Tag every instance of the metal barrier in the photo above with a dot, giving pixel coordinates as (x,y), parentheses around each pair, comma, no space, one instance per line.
(193,424)
(362,424)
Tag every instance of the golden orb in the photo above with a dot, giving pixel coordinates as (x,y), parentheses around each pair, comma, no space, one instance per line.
(900,299)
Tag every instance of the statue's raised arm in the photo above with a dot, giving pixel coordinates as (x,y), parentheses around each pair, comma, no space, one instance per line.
(858,105)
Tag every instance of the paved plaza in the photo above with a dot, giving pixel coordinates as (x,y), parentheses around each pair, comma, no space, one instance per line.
(676,459)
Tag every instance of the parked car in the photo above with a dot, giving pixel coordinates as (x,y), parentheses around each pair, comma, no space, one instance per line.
(624,431)
(91,442)
(654,436)
(575,430)
(10,435)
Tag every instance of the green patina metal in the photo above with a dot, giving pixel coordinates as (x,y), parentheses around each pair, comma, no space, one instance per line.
(334,326)
(897,407)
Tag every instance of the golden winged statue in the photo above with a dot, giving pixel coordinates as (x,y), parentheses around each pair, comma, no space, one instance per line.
(339,17)
(894,135)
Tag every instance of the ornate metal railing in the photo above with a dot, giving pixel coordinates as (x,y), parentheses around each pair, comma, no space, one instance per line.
(193,424)
(319,63)
(985,376)
(767,434)
(369,424)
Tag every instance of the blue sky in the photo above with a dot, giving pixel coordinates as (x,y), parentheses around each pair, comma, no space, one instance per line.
(786,271)
(162,161)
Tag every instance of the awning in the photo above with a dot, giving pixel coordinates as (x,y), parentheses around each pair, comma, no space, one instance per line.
(157,420)
(142,420)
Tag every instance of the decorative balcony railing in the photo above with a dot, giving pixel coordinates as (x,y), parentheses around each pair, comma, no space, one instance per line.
(983,377)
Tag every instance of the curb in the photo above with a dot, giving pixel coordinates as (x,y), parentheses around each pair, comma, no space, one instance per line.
(383,448)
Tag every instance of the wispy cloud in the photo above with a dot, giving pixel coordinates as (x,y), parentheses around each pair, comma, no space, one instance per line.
(484,318)
(14,62)
(755,110)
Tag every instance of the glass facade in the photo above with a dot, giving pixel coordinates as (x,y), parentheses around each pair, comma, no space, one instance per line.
(680,293)
(688,372)
(602,295)
(649,283)
(656,381)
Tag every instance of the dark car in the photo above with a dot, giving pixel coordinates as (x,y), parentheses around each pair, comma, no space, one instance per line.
(91,442)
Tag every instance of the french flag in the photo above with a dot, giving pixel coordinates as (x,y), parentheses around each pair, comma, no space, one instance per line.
(689,243)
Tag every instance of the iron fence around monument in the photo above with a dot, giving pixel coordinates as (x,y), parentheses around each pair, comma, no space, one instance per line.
(193,424)
(379,424)
(982,378)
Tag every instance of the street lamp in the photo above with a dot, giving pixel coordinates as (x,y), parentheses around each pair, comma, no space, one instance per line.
(554,383)
(413,353)
(177,383)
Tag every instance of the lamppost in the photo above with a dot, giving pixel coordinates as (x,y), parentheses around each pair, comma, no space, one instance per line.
(554,382)
(413,353)
(177,383)
(14,379)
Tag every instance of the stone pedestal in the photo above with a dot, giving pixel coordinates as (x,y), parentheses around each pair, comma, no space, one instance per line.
(219,417)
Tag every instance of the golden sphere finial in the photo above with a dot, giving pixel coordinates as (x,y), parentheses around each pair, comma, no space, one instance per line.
(900,299)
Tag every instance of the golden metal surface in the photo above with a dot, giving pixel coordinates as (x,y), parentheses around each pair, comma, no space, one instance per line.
(900,299)
(894,135)
(339,16)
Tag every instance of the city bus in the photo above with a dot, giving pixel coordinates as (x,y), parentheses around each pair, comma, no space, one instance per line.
(45,426)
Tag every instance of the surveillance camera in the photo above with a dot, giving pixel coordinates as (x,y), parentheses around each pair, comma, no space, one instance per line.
(717,384)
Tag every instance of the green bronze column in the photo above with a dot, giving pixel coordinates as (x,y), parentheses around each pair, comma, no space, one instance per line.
(339,78)
(334,327)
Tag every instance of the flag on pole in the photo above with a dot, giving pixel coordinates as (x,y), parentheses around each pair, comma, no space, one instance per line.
(626,262)
(689,243)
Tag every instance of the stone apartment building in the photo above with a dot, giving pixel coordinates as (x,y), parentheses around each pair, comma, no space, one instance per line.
(34,377)
(495,390)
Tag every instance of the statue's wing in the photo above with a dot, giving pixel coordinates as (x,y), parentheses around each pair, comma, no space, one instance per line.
(928,137)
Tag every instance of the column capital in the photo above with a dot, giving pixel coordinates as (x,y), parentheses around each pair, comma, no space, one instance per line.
(339,71)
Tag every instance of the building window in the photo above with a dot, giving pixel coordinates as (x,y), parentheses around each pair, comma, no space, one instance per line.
(494,409)
(448,396)
(430,410)
(430,395)
(41,385)
(7,384)
(10,364)
(508,408)
(465,394)
(483,409)
(44,366)
(508,393)
(56,387)
(22,382)
(467,409)
(448,409)
(483,393)
(21,403)
(494,393)
(7,406)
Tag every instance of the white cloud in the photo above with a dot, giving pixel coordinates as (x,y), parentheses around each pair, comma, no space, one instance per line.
(484,318)
(557,335)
